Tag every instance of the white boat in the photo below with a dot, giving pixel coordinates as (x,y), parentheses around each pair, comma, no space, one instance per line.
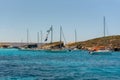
(100,52)
(101,49)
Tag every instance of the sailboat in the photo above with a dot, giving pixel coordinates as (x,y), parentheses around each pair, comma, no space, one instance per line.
(60,49)
(75,41)
(101,49)
(30,46)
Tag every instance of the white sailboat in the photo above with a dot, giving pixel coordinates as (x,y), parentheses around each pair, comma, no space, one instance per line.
(75,41)
(30,46)
(101,49)
(60,49)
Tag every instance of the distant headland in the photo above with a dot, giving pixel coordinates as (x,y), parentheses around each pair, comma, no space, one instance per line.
(112,42)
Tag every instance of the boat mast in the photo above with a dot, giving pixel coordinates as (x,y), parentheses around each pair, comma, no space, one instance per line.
(41,40)
(21,42)
(104,25)
(60,36)
(51,34)
(41,36)
(27,36)
(75,36)
(38,38)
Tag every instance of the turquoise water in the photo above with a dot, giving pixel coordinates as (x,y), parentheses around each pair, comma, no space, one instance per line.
(75,65)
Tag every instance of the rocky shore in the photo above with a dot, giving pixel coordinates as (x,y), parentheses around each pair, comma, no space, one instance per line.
(112,42)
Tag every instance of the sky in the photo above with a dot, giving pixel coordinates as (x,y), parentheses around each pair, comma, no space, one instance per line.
(86,16)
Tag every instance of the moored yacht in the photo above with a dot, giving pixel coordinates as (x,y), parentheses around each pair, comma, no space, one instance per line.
(100,50)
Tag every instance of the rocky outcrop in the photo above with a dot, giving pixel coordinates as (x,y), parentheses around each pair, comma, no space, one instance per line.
(54,45)
(109,41)
(112,42)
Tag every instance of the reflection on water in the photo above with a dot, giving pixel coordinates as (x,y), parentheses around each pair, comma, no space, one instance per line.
(75,65)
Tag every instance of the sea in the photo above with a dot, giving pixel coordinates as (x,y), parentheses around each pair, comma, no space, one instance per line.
(41,65)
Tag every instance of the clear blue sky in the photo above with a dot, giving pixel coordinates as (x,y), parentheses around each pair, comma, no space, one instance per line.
(86,16)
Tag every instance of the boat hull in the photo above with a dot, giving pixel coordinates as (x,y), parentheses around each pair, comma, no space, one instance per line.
(104,52)
(56,51)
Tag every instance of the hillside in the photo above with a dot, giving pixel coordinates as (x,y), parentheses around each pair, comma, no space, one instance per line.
(113,42)
(108,41)
(54,45)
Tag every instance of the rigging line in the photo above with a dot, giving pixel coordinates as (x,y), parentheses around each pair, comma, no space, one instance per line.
(107,30)
(64,37)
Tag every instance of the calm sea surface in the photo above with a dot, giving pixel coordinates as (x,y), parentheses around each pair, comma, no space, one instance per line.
(41,65)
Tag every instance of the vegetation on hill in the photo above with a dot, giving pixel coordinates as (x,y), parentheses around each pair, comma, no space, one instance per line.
(54,45)
(108,41)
